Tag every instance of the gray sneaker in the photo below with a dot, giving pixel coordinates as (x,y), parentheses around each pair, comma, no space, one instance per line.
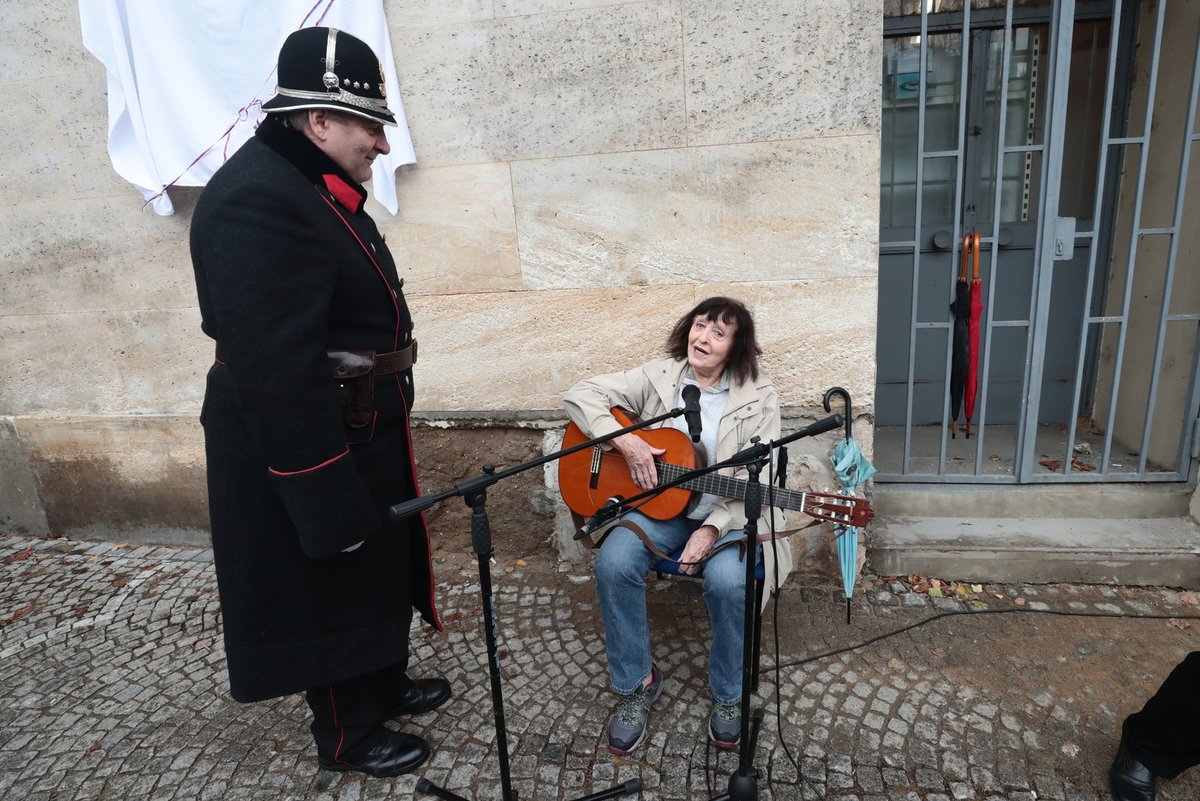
(628,726)
(725,725)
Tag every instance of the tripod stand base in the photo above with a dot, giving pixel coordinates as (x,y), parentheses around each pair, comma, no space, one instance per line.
(743,783)
(743,786)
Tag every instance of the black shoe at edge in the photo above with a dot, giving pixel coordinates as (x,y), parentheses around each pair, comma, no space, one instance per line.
(395,755)
(1129,779)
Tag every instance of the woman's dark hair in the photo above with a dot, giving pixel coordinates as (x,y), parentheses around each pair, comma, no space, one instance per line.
(742,361)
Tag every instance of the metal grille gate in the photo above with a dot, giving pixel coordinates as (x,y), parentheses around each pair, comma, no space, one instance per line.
(1062,133)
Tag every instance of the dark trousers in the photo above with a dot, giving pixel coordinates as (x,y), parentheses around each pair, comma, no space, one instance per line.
(1165,735)
(348,715)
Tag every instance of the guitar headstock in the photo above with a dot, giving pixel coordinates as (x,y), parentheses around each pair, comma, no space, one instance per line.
(844,509)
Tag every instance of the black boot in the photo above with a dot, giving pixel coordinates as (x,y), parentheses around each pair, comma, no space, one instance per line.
(1129,779)
(393,754)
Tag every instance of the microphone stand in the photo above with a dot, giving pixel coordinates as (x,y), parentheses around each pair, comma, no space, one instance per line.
(743,783)
(474,492)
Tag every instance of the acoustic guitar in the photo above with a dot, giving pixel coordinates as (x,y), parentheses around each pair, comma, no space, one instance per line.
(590,477)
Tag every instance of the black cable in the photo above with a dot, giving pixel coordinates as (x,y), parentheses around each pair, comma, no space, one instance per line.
(970,613)
(778,684)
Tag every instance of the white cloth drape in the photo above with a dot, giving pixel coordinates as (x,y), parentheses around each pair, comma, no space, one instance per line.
(186,79)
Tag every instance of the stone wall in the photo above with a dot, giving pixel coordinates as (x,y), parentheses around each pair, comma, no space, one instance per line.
(586,171)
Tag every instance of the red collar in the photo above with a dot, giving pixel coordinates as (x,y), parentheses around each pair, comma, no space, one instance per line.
(349,196)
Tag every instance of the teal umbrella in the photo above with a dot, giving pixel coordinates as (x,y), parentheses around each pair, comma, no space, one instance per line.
(852,470)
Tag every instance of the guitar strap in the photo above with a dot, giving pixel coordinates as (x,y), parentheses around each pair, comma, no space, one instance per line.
(652,548)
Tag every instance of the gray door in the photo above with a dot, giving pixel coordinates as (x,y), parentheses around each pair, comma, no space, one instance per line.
(1009,120)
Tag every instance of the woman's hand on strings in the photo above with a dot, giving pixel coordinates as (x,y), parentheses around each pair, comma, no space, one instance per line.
(639,455)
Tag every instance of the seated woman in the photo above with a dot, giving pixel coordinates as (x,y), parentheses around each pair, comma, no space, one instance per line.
(714,347)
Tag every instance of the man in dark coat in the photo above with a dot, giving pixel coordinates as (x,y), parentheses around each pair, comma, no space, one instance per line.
(306,414)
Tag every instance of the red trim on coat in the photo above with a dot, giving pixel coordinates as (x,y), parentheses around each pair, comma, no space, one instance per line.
(325,463)
(345,194)
(378,269)
(437,623)
(337,754)
(412,462)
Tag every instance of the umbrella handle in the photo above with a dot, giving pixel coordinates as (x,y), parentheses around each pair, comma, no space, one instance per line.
(847,416)
(975,257)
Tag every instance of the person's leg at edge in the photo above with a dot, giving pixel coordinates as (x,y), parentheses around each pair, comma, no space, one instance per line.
(1164,735)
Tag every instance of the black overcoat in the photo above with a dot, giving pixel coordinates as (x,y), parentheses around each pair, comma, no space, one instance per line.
(288,266)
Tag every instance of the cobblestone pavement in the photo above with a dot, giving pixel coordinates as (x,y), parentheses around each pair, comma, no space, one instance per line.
(112,674)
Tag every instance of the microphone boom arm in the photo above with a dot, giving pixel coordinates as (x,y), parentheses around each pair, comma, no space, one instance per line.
(464,489)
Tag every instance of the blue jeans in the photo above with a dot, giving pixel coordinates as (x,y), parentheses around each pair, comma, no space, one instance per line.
(621,568)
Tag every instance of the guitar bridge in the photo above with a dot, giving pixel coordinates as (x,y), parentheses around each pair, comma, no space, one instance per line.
(594,476)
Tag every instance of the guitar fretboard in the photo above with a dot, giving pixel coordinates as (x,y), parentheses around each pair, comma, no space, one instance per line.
(727,487)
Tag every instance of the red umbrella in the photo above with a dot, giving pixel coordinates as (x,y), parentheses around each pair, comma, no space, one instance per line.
(973,335)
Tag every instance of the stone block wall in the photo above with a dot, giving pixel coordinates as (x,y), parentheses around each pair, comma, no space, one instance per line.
(587,170)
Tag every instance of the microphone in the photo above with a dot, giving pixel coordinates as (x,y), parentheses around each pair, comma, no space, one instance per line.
(821,426)
(606,510)
(691,410)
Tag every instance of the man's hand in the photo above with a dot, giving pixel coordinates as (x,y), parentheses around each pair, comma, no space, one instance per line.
(640,458)
(697,546)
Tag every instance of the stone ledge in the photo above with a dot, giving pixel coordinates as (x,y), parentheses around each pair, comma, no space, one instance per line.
(1160,551)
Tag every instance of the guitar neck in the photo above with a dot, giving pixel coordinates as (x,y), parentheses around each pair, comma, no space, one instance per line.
(727,487)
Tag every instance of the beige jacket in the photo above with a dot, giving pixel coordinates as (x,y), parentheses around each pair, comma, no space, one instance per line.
(650,390)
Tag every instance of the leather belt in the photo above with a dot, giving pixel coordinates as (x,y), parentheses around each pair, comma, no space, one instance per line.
(384,363)
(397,361)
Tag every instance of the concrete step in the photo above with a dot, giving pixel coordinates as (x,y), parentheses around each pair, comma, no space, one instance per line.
(1093,533)
(1041,500)
(1161,551)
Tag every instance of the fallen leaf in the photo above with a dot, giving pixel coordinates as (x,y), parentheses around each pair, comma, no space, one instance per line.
(19,556)
(976,588)
(520,563)
(1019,602)
(1180,624)
(936,592)
(20,613)
(1052,464)
(1189,599)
